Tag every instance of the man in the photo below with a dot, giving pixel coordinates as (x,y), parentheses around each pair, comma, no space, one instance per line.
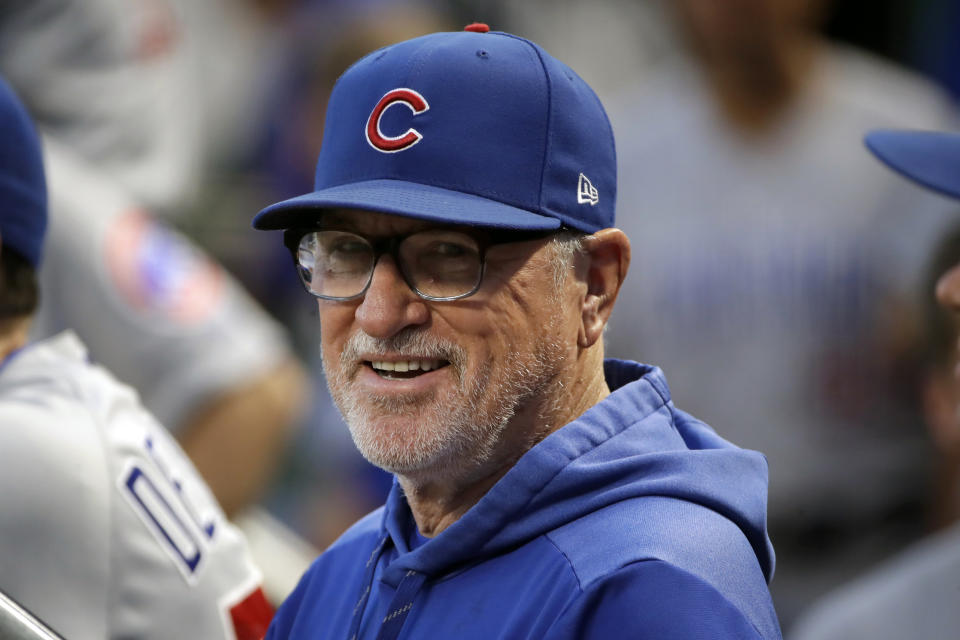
(107,530)
(460,241)
(914,594)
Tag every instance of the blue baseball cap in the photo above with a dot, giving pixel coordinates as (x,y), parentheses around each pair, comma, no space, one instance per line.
(23,190)
(930,158)
(469,128)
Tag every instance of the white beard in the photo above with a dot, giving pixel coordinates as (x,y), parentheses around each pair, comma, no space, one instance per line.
(458,431)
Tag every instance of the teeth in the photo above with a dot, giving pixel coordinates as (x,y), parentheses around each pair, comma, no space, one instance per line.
(408,365)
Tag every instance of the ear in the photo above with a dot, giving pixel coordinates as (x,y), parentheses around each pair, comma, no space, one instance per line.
(607,256)
(940,410)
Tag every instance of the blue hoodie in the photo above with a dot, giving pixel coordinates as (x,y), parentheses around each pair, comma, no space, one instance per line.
(633,521)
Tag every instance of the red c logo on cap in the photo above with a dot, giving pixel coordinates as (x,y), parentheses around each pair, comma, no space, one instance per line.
(410,137)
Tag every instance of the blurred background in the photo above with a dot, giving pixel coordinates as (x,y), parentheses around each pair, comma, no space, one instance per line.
(780,274)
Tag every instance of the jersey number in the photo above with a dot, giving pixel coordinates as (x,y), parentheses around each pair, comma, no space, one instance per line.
(163,516)
(163,505)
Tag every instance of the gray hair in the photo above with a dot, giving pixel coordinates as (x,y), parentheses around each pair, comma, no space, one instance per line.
(566,245)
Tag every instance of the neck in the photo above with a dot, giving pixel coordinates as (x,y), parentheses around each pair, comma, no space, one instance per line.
(441,498)
(14,334)
(437,505)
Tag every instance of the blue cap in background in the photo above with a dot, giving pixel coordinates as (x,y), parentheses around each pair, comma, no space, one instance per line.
(931,158)
(23,191)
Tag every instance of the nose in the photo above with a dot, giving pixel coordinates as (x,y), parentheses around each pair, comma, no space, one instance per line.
(389,305)
(948,289)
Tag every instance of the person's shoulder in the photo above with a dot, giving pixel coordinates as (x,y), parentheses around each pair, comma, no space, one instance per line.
(676,603)
(686,534)
(57,496)
(682,538)
(64,423)
(60,371)
(44,415)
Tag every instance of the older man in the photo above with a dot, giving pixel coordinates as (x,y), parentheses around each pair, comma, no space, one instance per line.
(460,241)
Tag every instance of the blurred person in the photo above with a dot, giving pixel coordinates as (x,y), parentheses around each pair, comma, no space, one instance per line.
(773,264)
(460,242)
(107,530)
(122,136)
(914,594)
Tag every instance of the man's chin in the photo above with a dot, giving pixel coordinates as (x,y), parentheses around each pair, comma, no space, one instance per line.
(402,461)
(398,444)
(393,422)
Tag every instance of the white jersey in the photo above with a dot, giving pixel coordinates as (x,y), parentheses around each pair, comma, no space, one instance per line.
(107,530)
(148,304)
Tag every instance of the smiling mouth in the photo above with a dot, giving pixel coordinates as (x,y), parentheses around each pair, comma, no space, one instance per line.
(405,369)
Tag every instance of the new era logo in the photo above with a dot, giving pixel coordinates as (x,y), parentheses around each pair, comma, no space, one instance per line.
(586,192)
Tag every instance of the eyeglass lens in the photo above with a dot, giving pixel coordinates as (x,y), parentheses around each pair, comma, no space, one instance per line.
(436,263)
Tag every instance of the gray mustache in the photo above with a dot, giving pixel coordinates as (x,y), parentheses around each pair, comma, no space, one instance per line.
(412,343)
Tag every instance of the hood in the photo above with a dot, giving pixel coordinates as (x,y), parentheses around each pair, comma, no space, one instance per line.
(632,444)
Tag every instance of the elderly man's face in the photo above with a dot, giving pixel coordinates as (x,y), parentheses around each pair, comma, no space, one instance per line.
(480,370)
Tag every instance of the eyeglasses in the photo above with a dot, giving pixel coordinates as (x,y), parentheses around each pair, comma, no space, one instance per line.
(438,264)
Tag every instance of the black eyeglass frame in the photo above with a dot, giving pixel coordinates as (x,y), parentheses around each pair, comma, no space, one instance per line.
(485,238)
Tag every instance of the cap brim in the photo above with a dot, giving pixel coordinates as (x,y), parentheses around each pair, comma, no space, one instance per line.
(406,199)
(930,158)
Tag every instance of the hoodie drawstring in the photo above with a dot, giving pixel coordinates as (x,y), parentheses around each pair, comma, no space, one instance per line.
(371,568)
(401,604)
